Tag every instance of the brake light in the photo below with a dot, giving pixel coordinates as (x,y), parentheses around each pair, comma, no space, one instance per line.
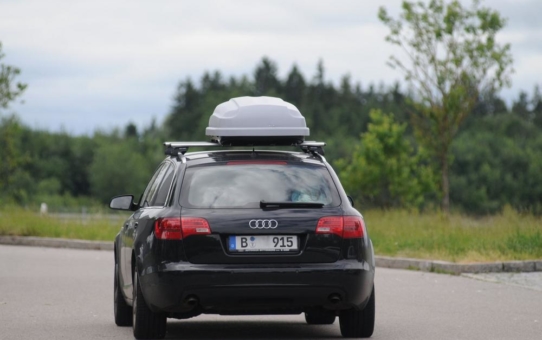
(256,162)
(343,226)
(174,228)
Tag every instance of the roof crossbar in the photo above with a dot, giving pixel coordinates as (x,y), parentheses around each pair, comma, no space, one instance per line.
(176,148)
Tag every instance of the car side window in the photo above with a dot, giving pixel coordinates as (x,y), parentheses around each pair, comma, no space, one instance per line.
(151,188)
(161,195)
(143,197)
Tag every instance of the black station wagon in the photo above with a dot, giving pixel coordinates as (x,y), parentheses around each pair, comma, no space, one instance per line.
(244,231)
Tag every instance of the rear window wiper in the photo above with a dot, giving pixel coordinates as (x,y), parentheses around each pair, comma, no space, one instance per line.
(264,204)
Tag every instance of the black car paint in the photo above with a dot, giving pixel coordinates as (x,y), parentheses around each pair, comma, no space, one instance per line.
(171,271)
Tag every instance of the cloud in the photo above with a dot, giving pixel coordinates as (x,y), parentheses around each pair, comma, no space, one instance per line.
(103,63)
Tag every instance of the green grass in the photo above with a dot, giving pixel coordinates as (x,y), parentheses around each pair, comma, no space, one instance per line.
(20,222)
(456,238)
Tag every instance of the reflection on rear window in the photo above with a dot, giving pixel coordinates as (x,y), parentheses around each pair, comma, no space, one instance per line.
(245,185)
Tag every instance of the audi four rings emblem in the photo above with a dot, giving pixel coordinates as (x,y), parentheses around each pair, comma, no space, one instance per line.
(263,224)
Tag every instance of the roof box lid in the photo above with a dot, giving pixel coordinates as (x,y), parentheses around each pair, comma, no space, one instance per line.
(256,117)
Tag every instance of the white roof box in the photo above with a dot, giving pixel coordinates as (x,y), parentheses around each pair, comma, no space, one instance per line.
(257,121)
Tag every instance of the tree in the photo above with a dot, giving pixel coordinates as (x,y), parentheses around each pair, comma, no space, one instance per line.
(117,169)
(294,87)
(265,78)
(452,57)
(9,89)
(10,129)
(521,106)
(384,169)
(497,162)
(12,160)
(184,111)
(130,131)
(537,107)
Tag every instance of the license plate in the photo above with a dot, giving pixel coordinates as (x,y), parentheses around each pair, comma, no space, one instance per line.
(263,243)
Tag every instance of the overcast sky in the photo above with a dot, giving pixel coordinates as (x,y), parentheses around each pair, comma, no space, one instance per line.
(101,64)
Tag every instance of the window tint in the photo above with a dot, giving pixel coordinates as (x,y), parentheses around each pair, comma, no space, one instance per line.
(143,199)
(153,186)
(245,185)
(161,195)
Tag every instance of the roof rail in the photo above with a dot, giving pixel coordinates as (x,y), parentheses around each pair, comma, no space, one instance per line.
(176,148)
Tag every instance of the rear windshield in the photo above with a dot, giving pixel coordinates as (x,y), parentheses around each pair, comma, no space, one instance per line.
(241,185)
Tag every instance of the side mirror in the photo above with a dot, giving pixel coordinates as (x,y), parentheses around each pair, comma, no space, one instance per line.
(351,200)
(124,202)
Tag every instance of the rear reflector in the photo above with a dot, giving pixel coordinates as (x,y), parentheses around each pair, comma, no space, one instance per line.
(174,228)
(343,226)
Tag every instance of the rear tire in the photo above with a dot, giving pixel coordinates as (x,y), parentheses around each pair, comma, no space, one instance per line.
(359,323)
(146,324)
(123,312)
(320,317)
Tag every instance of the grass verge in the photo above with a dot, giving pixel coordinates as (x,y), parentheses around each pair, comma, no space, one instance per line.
(16,221)
(456,238)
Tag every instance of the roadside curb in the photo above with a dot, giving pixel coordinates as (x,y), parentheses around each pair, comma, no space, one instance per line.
(381,261)
(55,243)
(458,268)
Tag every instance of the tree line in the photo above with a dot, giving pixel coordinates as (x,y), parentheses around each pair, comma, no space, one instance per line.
(496,157)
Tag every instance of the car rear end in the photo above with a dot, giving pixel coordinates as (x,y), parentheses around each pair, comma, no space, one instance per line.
(257,233)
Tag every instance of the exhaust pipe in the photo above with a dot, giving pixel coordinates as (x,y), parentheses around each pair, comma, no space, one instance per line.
(191,301)
(334,298)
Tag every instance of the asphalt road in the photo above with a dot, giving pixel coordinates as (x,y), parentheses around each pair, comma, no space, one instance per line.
(48,293)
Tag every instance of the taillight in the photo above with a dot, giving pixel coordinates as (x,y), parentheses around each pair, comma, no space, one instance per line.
(194,226)
(330,225)
(175,228)
(353,227)
(343,226)
(168,228)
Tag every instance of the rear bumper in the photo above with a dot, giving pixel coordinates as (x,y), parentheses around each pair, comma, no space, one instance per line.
(239,289)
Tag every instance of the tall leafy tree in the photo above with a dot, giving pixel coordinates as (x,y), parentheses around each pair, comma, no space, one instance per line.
(12,183)
(451,57)
(9,88)
(10,128)
(385,170)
